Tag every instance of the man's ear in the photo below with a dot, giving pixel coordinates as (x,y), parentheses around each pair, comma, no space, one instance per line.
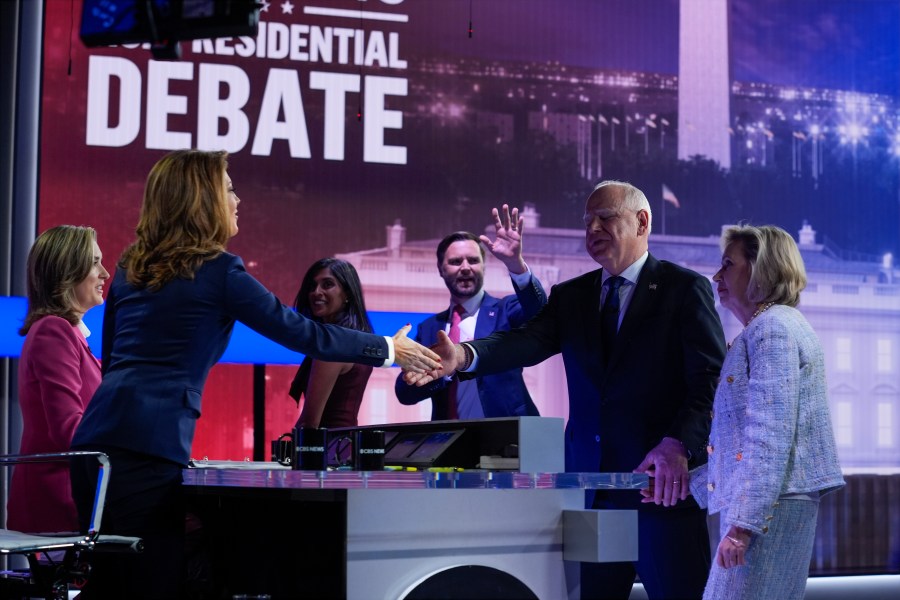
(643,221)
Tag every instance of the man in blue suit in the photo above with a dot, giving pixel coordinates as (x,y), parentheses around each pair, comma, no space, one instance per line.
(642,346)
(460,260)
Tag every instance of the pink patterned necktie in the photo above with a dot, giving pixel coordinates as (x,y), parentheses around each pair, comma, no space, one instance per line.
(455,318)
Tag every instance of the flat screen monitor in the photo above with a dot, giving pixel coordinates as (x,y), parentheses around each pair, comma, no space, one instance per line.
(400,450)
(420,449)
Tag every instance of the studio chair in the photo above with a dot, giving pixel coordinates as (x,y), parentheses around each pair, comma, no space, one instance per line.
(50,578)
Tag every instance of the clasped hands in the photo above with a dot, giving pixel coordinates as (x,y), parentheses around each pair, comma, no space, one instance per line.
(412,356)
(450,356)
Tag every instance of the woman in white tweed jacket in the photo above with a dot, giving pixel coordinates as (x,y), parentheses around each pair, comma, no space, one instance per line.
(771,450)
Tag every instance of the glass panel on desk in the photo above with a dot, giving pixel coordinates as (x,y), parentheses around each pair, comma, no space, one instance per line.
(263,475)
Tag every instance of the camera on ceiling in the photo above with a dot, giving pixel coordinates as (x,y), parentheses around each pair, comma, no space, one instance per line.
(164,23)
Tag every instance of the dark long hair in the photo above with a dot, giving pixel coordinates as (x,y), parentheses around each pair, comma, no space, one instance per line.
(353,315)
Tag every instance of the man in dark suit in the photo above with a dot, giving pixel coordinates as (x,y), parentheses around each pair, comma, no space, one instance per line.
(460,260)
(642,346)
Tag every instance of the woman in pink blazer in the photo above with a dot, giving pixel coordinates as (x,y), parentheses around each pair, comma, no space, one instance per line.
(57,372)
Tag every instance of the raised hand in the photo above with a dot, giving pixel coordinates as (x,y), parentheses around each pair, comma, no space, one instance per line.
(412,356)
(507,243)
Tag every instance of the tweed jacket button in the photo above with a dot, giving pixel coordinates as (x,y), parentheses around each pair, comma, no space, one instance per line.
(711,486)
(729,379)
(765,529)
(740,456)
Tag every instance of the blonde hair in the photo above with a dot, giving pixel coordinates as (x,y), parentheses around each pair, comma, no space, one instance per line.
(184,219)
(59,260)
(777,272)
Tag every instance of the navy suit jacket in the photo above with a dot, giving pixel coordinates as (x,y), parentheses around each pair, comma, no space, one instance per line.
(502,394)
(659,381)
(158,347)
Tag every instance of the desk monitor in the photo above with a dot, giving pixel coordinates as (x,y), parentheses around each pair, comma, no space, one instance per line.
(402,447)
(420,449)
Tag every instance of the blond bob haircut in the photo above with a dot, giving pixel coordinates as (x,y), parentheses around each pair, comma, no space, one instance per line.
(777,272)
(184,219)
(59,260)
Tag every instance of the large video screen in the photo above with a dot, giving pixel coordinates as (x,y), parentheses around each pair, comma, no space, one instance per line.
(371,129)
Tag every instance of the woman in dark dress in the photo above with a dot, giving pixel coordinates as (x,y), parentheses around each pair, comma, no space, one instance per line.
(332,391)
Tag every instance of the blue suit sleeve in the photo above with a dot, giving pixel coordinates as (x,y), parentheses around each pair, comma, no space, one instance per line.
(249,302)
(703,347)
(527,302)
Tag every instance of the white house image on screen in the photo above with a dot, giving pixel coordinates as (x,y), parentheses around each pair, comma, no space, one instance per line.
(854,306)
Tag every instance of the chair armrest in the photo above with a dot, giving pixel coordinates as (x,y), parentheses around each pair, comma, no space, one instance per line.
(102,477)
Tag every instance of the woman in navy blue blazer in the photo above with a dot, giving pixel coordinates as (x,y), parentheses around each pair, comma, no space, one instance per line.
(169,315)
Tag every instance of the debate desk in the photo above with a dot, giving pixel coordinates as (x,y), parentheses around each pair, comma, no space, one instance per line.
(262,528)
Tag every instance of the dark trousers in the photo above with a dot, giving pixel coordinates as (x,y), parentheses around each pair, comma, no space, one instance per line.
(673,559)
(144,499)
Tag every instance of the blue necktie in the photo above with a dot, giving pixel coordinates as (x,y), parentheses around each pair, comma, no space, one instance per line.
(609,316)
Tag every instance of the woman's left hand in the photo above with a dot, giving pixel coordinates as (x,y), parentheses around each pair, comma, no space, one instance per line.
(414,357)
(733,547)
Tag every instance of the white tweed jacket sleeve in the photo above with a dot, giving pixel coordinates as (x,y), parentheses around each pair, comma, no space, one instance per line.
(771,431)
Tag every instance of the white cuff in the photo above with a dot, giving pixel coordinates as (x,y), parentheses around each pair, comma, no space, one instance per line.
(390,358)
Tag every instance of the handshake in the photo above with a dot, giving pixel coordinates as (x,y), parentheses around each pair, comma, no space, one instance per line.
(423,365)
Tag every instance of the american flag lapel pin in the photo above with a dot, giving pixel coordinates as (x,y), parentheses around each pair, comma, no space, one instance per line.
(491,313)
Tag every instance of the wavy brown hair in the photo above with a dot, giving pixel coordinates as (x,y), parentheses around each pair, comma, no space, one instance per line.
(184,219)
(59,260)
